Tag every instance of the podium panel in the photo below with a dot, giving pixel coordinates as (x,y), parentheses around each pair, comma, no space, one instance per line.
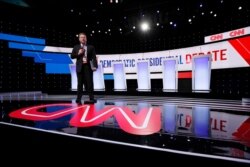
(99,79)
(73,77)
(120,83)
(143,76)
(170,75)
(201,74)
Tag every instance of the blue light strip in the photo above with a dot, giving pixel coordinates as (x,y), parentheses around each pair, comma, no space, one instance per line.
(24,39)
(52,68)
(108,77)
(22,46)
(44,57)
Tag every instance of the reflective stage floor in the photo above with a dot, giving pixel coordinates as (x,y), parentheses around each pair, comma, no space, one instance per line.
(206,128)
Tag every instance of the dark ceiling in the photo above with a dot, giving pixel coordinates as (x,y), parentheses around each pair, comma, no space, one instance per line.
(102,19)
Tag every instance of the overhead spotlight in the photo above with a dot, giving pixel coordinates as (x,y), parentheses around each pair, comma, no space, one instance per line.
(215,15)
(170,22)
(211,12)
(91,35)
(201,5)
(240,7)
(105,32)
(100,3)
(145,26)
(93,32)
(157,24)
(134,27)
(120,29)
(76,35)
(178,9)
(86,25)
(175,25)
(125,17)
(193,16)
(202,13)
(189,20)
(110,20)
(72,10)
(158,11)
(108,30)
(116,1)
(221,1)
(99,31)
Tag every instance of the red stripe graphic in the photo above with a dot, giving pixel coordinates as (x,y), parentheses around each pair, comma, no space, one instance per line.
(242,46)
(184,75)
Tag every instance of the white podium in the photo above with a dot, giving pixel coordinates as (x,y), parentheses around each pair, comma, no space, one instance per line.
(120,83)
(98,78)
(201,73)
(170,75)
(143,76)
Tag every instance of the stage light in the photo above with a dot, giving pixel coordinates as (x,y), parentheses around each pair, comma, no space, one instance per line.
(240,7)
(120,29)
(145,26)
(157,24)
(215,15)
(189,20)
(86,25)
(93,32)
(99,31)
(211,12)
(178,9)
(108,30)
(158,11)
(202,13)
(170,22)
(134,27)
(175,25)
(201,5)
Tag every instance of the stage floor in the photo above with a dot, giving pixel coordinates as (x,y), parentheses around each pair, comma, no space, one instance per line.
(211,128)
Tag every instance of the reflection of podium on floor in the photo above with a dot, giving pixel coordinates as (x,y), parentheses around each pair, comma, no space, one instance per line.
(120,83)
(201,74)
(143,76)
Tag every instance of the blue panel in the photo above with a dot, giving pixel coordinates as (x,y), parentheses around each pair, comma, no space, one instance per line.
(44,57)
(108,77)
(57,68)
(22,46)
(24,39)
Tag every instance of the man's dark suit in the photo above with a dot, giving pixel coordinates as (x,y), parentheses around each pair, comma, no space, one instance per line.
(84,71)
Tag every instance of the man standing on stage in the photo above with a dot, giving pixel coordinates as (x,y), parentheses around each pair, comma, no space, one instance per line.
(86,63)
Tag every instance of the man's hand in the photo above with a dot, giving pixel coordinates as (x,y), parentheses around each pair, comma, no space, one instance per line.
(80,51)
